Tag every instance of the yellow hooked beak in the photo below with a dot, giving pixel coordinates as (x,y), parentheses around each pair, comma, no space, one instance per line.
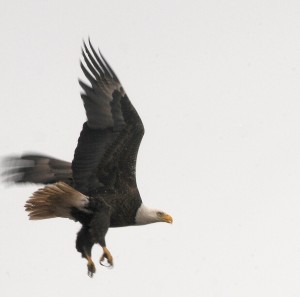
(167,218)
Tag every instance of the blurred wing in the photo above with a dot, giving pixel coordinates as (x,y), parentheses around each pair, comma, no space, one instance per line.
(33,168)
(105,155)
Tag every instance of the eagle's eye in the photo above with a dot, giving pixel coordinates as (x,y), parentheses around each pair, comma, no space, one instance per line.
(160,213)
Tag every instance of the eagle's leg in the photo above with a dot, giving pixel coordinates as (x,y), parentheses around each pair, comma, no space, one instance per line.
(106,255)
(98,229)
(84,246)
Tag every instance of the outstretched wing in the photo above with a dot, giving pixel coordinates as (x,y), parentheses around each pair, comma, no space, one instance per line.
(34,168)
(105,156)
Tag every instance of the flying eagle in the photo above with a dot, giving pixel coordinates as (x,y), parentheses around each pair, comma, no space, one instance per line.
(98,189)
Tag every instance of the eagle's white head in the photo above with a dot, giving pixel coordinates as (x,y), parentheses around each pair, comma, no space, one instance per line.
(146,215)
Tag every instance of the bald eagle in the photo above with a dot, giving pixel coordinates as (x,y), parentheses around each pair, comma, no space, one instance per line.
(98,189)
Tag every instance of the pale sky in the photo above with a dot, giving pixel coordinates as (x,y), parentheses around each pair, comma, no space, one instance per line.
(216,84)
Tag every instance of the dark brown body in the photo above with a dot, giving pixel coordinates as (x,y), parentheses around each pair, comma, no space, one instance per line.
(122,209)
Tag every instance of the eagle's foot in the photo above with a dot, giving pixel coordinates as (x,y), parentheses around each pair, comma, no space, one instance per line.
(106,255)
(91,267)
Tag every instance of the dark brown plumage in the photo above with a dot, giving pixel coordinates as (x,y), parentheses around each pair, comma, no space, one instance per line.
(99,188)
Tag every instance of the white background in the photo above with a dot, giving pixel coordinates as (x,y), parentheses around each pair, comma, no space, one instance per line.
(217,86)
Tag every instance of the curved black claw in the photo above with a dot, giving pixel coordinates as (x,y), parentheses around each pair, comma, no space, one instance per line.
(103,263)
(106,255)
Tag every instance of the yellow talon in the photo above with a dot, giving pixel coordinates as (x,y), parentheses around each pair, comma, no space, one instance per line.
(91,267)
(106,255)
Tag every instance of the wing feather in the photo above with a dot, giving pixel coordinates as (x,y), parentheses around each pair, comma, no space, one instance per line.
(34,168)
(105,156)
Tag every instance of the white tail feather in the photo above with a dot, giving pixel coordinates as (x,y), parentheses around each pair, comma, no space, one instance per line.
(55,200)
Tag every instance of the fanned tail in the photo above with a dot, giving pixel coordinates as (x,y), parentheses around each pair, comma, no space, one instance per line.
(56,200)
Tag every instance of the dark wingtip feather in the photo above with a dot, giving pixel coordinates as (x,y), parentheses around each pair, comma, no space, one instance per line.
(108,67)
(87,74)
